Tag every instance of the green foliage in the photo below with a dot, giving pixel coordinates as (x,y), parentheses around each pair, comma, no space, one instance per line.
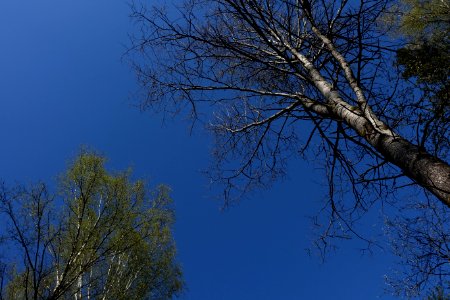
(110,239)
(426,19)
(426,58)
(426,24)
(430,63)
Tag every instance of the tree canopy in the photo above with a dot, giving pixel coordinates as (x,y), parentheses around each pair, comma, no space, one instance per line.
(101,236)
(266,66)
(426,27)
(324,80)
(422,239)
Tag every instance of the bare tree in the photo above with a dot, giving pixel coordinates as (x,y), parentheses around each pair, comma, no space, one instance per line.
(275,79)
(421,239)
(264,66)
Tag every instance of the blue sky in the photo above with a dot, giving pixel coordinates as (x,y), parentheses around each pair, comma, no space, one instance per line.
(62,85)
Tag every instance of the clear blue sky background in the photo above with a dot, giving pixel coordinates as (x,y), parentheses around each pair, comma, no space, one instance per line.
(62,85)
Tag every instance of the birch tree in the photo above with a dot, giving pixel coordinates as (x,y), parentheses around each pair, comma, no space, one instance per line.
(278,79)
(263,68)
(101,237)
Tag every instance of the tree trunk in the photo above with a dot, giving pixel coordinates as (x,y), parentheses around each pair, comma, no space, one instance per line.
(426,170)
(423,168)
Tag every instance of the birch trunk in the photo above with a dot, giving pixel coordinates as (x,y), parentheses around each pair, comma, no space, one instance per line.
(423,168)
(426,170)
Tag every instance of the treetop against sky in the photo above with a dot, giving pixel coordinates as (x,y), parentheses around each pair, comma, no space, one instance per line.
(63,85)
